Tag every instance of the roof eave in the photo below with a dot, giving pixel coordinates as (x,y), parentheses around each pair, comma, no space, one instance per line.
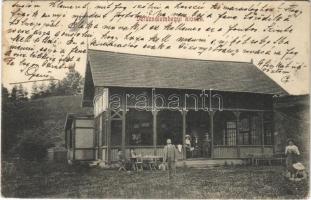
(280,93)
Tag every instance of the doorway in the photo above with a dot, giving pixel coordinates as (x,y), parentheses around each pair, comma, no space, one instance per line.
(198,138)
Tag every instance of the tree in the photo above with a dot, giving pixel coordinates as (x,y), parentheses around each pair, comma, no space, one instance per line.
(72,84)
(34,91)
(52,87)
(42,89)
(5,96)
(5,137)
(33,145)
(21,93)
(13,96)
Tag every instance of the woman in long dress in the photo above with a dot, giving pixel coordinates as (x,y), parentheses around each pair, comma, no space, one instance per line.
(292,153)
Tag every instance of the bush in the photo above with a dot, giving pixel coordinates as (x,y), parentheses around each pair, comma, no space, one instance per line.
(33,145)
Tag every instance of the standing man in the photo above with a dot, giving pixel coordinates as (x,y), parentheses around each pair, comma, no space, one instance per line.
(170,157)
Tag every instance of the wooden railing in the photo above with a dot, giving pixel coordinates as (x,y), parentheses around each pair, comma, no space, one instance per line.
(219,151)
(225,152)
(242,152)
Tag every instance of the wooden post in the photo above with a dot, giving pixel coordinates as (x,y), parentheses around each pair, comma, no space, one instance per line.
(123,131)
(74,139)
(273,133)
(262,134)
(108,135)
(211,117)
(184,128)
(237,115)
(96,137)
(100,136)
(124,110)
(154,126)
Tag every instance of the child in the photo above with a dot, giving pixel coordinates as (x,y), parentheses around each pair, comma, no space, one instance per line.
(299,171)
(133,158)
(122,160)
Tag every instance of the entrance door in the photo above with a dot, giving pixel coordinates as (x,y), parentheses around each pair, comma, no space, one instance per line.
(197,133)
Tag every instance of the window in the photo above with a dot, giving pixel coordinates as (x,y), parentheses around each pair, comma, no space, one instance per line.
(169,126)
(249,129)
(84,138)
(88,123)
(139,130)
(256,130)
(244,131)
(225,128)
(230,133)
(268,128)
(116,132)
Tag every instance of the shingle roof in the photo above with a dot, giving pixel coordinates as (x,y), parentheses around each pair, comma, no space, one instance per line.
(129,70)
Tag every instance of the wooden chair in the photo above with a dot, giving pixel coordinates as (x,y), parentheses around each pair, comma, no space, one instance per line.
(152,164)
(122,164)
(133,164)
(139,164)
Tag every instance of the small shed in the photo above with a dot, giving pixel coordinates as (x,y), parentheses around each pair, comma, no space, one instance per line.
(80,137)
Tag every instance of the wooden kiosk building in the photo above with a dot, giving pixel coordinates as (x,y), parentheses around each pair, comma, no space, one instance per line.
(225,108)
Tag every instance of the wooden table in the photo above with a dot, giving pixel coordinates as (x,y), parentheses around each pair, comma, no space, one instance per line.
(155,159)
(148,160)
(152,161)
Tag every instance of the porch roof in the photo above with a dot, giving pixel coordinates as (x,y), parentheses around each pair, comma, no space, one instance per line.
(112,69)
(71,116)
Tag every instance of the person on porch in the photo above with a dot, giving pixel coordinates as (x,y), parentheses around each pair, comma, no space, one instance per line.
(170,157)
(188,146)
(206,145)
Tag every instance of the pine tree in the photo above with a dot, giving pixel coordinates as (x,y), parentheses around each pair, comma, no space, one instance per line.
(21,93)
(42,90)
(72,84)
(5,95)
(34,90)
(52,87)
(13,96)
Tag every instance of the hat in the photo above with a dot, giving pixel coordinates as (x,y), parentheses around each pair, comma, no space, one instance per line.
(169,141)
(187,136)
(298,166)
(290,139)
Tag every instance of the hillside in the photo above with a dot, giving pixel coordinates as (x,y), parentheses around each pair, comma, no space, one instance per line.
(53,111)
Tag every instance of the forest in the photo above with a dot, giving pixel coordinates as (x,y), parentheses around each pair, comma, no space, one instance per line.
(28,125)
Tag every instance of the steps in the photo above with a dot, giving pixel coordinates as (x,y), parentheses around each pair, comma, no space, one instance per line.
(205,163)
